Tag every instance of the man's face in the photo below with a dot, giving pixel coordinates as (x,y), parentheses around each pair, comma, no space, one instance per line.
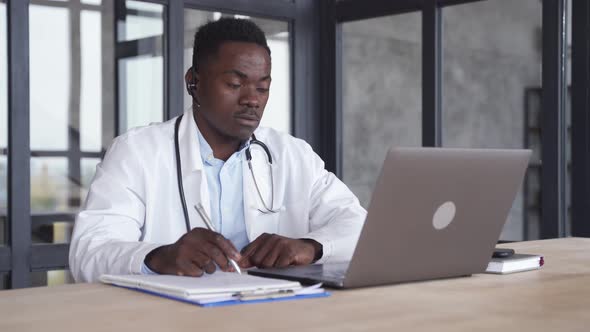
(233,88)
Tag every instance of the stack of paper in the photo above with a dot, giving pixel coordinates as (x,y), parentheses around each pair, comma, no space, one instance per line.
(219,288)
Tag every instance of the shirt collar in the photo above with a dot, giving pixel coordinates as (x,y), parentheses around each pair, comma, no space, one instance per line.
(207,152)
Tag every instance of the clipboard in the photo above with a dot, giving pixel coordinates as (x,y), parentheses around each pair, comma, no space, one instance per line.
(231,302)
(218,289)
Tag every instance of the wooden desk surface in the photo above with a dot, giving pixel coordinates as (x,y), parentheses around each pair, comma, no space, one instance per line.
(555,298)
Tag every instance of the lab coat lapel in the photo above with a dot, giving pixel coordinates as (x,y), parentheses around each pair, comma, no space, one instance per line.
(256,221)
(193,176)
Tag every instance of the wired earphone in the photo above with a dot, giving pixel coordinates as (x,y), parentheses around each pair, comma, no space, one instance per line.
(253,141)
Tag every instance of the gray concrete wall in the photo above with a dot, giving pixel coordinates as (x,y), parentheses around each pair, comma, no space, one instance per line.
(491,54)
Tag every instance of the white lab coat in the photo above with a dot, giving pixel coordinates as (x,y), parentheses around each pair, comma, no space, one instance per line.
(133,205)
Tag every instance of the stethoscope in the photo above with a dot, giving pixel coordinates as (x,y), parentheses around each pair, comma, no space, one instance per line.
(266,209)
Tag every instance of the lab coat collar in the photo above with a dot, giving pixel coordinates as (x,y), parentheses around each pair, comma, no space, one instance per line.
(190,147)
(194,180)
(190,151)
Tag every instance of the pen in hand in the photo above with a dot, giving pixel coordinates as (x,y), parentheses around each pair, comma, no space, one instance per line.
(203,214)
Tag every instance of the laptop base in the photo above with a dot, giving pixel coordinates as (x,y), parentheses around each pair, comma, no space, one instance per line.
(330,275)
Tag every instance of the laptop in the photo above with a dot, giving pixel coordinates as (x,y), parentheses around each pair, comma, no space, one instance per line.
(435,213)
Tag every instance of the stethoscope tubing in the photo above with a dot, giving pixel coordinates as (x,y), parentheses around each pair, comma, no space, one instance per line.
(179,174)
(248,159)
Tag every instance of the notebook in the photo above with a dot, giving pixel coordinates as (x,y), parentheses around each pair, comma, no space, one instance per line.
(219,288)
(515,263)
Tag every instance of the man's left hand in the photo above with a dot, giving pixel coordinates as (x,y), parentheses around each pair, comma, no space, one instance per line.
(271,250)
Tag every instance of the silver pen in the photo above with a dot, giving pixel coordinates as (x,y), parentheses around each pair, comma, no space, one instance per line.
(201,211)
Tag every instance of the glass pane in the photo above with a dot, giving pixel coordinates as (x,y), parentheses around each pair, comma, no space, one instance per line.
(142,96)
(67,54)
(54,191)
(91,89)
(141,20)
(278,109)
(381,95)
(50,83)
(71,57)
(487,73)
(141,65)
(51,278)
(52,232)
(3,125)
(50,186)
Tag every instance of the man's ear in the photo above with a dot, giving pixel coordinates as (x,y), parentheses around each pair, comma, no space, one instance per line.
(190,81)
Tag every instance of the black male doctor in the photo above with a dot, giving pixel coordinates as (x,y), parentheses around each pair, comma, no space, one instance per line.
(270,199)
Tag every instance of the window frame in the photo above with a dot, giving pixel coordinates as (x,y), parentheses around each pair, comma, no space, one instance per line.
(554,217)
(19,257)
(315,32)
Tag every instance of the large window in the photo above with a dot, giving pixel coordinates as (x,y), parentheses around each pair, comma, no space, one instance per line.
(486,67)
(97,68)
(66,120)
(409,76)
(381,97)
(491,90)
(75,109)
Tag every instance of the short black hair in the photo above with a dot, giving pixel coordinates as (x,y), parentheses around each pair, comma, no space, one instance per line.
(210,36)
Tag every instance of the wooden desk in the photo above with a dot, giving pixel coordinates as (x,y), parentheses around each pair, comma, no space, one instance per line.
(555,298)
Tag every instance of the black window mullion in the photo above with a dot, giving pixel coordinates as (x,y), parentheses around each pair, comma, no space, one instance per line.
(59,4)
(331,76)
(65,153)
(109,77)
(173,60)
(307,115)
(553,121)
(144,46)
(38,219)
(161,2)
(19,170)
(271,9)
(580,118)
(5,262)
(50,256)
(74,105)
(431,74)
(444,3)
(352,10)
(120,114)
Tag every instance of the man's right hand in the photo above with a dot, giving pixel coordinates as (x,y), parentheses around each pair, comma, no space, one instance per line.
(193,254)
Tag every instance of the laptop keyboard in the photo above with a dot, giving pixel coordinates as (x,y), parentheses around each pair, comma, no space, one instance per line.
(333,271)
(334,274)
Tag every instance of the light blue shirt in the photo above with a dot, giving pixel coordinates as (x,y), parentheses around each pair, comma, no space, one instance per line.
(224,181)
(225,184)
